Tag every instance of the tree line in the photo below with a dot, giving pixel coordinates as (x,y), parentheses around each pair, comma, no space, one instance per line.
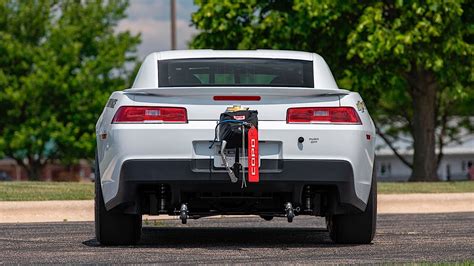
(59,62)
(412,61)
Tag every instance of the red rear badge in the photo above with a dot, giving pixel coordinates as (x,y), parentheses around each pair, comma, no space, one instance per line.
(253,161)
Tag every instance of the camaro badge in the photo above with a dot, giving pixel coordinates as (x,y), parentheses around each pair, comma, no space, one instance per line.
(360,106)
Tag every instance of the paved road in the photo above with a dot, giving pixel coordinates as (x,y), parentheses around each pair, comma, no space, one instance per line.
(400,238)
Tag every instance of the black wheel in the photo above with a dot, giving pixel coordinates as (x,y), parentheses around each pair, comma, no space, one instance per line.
(266,217)
(112,227)
(355,228)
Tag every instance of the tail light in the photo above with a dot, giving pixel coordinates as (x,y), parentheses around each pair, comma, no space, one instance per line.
(150,114)
(330,115)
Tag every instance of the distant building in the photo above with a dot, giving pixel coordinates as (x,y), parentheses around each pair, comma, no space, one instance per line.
(82,171)
(453,165)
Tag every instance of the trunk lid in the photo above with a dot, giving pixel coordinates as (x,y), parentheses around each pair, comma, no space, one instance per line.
(272,106)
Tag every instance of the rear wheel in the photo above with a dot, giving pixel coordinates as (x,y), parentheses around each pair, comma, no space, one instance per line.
(112,227)
(355,228)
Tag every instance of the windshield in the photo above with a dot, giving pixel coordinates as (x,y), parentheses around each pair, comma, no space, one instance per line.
(235,72)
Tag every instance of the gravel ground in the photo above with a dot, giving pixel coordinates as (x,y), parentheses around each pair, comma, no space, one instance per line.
(400,238)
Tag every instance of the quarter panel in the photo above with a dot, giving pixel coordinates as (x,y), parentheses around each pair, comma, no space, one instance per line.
(363,172)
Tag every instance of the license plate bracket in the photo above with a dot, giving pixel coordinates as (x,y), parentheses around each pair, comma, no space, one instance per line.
(230,156)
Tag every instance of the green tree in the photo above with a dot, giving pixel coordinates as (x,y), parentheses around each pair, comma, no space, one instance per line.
(60,61)
(411,61)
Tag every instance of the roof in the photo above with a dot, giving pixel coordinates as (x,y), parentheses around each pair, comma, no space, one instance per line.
(278,54)
(147,76)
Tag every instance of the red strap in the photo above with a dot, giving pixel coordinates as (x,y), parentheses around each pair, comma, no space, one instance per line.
(253,162)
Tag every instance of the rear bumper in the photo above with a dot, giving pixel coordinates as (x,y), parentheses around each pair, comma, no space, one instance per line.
(276,176)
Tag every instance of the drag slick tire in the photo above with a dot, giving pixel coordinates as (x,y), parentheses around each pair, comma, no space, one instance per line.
(112,227)
(355,228)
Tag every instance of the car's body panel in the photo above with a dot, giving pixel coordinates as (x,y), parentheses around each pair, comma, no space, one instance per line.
(122,143)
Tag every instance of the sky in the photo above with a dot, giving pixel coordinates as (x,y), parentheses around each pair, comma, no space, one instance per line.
(151,18)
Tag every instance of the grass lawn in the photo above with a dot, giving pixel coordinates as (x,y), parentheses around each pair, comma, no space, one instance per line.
(24,191)
(425,187)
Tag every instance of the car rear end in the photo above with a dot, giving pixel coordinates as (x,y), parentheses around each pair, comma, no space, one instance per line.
(158,154)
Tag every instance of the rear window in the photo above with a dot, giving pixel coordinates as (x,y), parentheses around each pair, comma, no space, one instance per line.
(235,72)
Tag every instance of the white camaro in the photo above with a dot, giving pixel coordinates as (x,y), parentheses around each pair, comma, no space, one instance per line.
(207,132)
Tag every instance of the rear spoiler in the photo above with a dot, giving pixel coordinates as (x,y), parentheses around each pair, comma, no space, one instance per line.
(260,91)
